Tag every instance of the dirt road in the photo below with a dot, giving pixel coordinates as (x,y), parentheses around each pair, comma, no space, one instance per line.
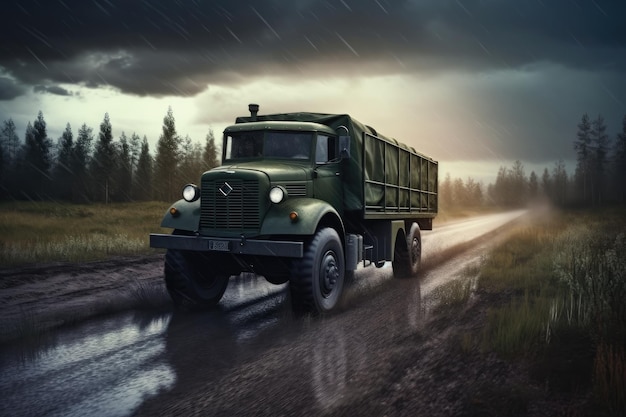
(384,353)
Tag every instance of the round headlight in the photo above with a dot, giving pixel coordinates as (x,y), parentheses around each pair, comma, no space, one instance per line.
(277,194)
(191,192)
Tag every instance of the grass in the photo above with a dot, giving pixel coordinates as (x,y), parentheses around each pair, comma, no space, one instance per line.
(41,232)
(561,284)
(454,294)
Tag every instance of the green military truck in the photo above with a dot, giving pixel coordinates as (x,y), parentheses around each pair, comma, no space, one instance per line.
(302,198)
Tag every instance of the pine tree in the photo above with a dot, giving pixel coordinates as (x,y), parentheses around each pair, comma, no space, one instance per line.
(502,191)
(10,142)
(124,177)
(143,177)
(600,148)
(459,196)
(104,161)
(185,168)
(582,145)
(533,186)
(36,161)
(210,156)
(166,175)
(559,183)
(475,192)
(3,171)
(546,183)
(518,184)
(81,158)
(619,161)
(135,150)
(63,175)
(10,145)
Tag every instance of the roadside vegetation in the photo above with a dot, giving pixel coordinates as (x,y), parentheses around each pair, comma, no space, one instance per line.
(36,232)
(43,232)
(557,290)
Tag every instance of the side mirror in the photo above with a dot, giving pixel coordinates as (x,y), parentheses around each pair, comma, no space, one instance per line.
(344,147)
(344,143)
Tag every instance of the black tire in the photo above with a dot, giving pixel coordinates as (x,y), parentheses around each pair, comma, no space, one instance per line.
(317,279)
(191,283)
(407,256)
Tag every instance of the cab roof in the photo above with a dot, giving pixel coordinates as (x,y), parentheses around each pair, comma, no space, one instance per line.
(280,125)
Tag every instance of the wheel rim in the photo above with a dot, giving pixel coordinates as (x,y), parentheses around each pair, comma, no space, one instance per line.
(329,273)
(415,251)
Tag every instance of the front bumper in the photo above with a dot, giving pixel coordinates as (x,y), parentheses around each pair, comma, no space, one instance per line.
(236,246)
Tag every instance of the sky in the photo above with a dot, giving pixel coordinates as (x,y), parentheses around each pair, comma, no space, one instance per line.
(474,84)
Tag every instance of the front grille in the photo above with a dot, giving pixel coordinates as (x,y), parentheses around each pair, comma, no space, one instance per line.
(236,211)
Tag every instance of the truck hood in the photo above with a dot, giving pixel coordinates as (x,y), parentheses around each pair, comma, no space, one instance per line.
(276,171)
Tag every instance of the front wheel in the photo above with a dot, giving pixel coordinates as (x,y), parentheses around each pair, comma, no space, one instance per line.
(191,281)
(317,279)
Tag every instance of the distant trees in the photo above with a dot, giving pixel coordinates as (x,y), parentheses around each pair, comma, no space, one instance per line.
(210,156)
(82,169)
(143,184)
(81,160)
(9,148)
(124,173)
(511,189)
(619,164)
(191,164)
(166,160)
(34,168)
(460,194)
(559,185)
(582,146)
(592,147)
(79,168)
(104,163)
(63,174)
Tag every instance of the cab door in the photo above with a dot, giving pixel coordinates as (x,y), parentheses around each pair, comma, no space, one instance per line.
(327,181)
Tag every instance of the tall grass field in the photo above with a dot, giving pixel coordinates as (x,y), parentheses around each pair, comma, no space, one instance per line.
(42,232)
(564,309)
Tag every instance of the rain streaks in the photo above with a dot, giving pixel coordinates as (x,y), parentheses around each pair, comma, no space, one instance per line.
(266,22)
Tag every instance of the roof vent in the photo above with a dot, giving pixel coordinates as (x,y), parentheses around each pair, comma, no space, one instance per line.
(254,109)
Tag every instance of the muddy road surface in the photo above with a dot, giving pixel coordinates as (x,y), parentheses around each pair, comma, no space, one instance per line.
(377,355)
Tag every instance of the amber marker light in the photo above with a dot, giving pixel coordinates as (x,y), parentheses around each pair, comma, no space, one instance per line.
(174,212)
(293,216)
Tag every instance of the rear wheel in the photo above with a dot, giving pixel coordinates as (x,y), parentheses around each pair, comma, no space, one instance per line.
(408,254)
(191,280)
(317,279)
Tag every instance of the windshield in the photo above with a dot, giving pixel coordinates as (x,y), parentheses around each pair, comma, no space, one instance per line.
(269,144)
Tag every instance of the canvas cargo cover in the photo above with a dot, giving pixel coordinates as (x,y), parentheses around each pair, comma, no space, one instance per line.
(383,177)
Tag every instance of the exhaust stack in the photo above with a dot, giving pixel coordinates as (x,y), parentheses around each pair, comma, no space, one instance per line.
(254,109)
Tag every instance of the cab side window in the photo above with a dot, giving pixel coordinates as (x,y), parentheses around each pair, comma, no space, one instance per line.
(325,149)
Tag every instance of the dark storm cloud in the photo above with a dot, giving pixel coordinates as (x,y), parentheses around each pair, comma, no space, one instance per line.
(163,47)
(9,89)
(56,90)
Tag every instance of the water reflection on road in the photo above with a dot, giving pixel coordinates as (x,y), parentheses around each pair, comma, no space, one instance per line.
(110,366)
(100,368)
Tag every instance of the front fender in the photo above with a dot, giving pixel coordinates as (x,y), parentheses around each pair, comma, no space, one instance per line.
(188,217)
(310,212)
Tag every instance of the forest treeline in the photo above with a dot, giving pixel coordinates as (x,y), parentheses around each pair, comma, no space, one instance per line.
(87,167)
(599,177)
